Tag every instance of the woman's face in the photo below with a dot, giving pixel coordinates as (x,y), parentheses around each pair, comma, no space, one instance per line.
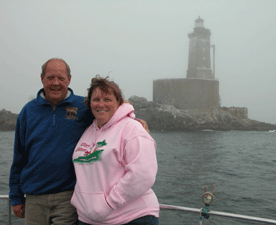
(103,106)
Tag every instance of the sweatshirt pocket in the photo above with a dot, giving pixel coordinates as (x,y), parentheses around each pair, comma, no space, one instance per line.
(92,205)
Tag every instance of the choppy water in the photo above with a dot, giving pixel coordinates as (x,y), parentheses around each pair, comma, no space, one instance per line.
(241,165)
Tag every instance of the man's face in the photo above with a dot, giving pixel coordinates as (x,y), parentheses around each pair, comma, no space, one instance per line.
(55,82)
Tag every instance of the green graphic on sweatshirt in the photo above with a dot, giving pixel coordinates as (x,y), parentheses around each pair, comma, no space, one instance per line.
(95,156)
(91,157)
(101,144)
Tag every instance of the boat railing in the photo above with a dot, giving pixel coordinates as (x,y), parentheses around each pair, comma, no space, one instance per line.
(221,214)
(177,208)
(6,197)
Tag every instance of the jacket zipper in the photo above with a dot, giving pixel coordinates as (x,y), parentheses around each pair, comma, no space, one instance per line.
(54,116)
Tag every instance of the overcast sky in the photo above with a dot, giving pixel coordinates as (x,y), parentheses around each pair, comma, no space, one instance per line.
(136,42)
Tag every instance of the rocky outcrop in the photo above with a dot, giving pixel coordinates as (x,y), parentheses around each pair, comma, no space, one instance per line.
(161,117)
(7,120)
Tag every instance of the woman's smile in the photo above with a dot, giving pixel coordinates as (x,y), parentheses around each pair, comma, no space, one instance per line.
(103,106)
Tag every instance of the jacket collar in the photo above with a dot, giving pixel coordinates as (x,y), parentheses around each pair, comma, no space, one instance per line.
(40,98)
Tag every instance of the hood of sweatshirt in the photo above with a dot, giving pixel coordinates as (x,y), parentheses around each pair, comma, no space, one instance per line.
(124,110)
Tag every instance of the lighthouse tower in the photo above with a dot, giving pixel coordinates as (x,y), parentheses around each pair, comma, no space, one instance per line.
(199,90)
(199,64)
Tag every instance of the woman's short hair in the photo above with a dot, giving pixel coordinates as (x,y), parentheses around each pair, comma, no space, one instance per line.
(105,86)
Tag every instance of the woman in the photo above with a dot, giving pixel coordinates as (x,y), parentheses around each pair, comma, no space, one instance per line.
(115,163)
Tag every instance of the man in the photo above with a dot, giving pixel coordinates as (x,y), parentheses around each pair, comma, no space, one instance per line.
(47,130)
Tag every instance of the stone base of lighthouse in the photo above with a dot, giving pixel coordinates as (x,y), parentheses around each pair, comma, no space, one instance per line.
(187,93)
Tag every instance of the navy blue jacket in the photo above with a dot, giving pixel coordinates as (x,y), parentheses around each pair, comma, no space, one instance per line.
(45,139)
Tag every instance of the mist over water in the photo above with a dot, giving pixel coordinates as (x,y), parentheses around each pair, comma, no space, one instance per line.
(136,42)
(240,164)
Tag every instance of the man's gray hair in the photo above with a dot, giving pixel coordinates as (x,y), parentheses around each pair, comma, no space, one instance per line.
(45,65)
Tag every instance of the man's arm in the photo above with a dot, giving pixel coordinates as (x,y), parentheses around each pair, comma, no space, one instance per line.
(19,162)
(144,124)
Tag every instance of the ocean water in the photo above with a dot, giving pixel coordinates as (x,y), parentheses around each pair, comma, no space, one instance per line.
(241,165)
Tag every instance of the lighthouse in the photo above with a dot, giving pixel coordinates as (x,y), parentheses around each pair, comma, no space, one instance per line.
(199,90)
(199,62)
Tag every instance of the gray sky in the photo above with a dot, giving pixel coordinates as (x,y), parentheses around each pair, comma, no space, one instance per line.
(139,41)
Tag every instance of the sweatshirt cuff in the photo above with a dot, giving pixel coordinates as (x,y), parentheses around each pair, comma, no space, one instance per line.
(114,199)
(17,201)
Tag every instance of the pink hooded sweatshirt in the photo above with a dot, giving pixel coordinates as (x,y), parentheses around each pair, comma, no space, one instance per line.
(115,167)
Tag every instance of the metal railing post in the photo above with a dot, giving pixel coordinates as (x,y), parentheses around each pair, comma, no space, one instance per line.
(10,213)
(9,208)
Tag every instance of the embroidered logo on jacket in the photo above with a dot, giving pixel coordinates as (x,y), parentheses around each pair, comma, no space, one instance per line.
(90,156)
(71,113)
